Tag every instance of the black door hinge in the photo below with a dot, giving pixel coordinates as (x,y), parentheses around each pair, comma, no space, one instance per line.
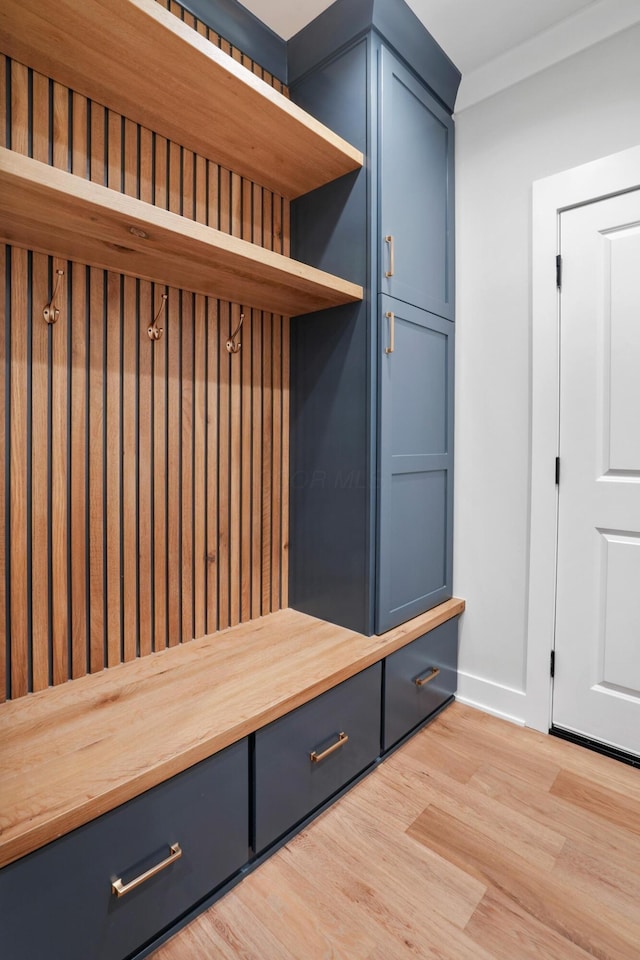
(557,470)
(553,663)
(559,272)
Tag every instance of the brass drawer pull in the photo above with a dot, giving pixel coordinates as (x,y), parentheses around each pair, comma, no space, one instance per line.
(120,888)
(392,265)
(340,742)
(391,317)
(428,677)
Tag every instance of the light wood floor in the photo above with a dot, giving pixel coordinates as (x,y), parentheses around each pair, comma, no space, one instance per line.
(477,840)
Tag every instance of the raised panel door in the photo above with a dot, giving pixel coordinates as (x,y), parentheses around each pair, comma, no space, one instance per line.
(416,192)
(415,462)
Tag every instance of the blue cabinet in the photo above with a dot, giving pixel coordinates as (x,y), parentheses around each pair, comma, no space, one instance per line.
(371,440)
(419,679)
(308,755)
(186,836)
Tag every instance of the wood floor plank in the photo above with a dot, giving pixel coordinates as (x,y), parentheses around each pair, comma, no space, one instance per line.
(458,764)
(536,843)
(395,911)
(546,752)
(616,807)
(540,805)
(285,902)
(482,742)
(421,878)
(599,930)
(508,932)
(600,877)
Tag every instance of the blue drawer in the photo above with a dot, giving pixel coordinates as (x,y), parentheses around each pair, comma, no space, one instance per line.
(58,901)
(296,768)
(419,678)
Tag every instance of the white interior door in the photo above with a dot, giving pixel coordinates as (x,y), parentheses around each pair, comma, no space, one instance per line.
(597,677)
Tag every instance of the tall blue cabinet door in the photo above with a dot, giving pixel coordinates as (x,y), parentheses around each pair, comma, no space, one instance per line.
(416,192)
(415,499)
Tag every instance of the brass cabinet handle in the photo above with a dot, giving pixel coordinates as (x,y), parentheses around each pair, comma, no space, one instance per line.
(391,317)
(428,677)
(392,266)
(120,888)
(340,742)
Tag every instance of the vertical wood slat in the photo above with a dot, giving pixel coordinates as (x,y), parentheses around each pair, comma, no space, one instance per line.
(95,386)
(121,429)
(129,467)
(78,472)
(129,420)
(246,428)
(186,467)
(200,475)
(174,493)
(276,452)
(224,421)
(212,451)
(267,419)
(4,101)
(112,471)
(38,404)
(159,359)
(4,355)
(284,511)
(145,424)
(235,486)
(145,472)
(20,650)
(60,440)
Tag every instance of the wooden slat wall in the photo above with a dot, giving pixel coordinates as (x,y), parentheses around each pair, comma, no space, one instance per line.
(143,486)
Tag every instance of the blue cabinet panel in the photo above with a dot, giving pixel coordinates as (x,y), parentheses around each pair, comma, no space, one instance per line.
(289,783)
(416,458)
(416,192)
(332,493)
(371,433)
(419,678)
(58,901)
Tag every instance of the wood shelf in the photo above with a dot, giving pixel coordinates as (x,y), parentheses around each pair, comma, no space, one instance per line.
(138,59)
(54,212)
(70,753)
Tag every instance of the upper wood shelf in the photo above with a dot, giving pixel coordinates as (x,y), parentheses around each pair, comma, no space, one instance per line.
(122,731)
(138,59)
(54,212)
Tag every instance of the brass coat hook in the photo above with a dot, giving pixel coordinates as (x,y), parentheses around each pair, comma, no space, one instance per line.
(154,331)
(233,345)
(50,311)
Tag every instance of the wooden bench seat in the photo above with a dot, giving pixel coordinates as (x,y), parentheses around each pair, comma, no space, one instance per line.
(70,753)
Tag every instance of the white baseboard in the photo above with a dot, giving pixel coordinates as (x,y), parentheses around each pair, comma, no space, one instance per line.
(493,698)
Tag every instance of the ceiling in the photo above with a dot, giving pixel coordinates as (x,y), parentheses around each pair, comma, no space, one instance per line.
(494,43)
(471,32)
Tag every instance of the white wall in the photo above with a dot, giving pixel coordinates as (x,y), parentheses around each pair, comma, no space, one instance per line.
(581,109)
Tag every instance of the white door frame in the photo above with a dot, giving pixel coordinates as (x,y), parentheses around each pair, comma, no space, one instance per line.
(572,188)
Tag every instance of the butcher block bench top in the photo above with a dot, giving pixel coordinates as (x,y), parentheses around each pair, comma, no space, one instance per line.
(71,753)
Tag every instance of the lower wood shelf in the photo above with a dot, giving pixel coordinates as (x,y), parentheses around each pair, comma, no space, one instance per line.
(76,751)
(54,212)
